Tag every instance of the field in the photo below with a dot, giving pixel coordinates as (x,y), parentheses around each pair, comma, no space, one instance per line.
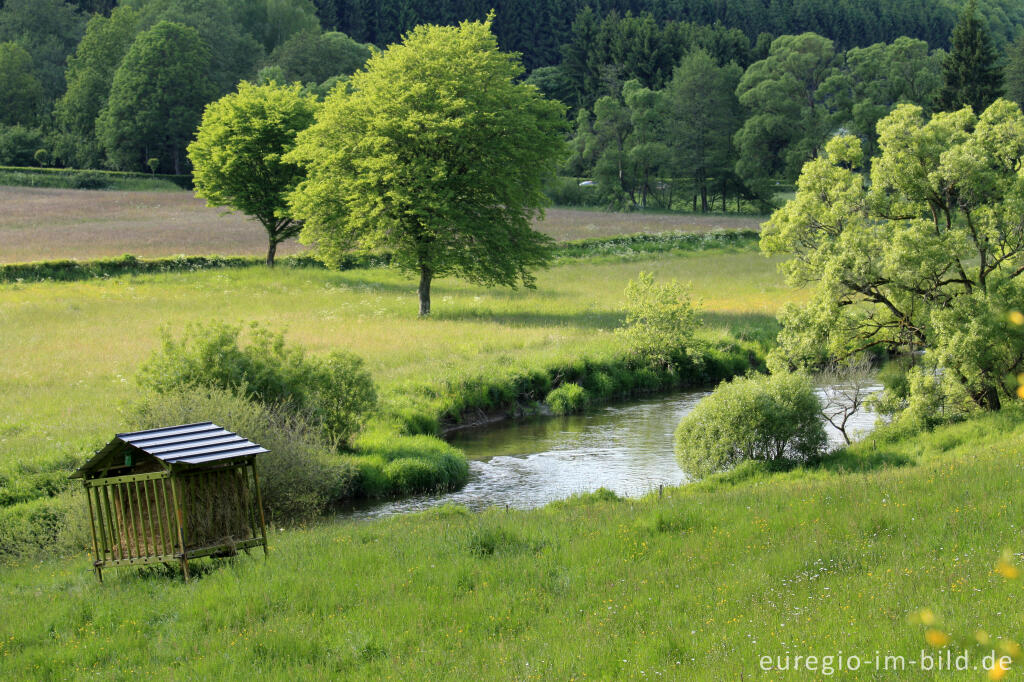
(48,224)
(70,351)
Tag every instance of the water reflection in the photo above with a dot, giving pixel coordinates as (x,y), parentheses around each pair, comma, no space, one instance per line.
(626,448)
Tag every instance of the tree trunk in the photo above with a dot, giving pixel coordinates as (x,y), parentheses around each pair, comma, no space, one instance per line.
(991,400)
(703,198)
(271,251)
(424,290)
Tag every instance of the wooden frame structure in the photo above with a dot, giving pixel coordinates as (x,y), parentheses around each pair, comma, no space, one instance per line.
(173,494)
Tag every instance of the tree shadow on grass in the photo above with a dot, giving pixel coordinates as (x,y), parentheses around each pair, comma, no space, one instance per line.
(585,319)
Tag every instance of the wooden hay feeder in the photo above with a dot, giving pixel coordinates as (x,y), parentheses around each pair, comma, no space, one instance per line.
(173,494)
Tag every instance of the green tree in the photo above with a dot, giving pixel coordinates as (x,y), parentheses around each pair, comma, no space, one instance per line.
(971,74)
(315,57)
(1013,72)
(660,320)
(436,154)
(89,76)
(882,75)
(156,99)
(927,255)
(236,156)
(792,114)
(222,32)
(703,115)
(49,31)
(20,90)
(272,22)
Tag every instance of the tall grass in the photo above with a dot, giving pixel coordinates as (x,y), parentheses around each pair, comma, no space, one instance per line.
(697,584)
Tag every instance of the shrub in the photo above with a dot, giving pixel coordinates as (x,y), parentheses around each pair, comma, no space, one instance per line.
(300,478)
(567,399)
(336,392)
(756,417)
(660,321)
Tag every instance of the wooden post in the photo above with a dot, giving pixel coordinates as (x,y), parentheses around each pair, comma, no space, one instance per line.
(92,527)
(259,502)
(181,526)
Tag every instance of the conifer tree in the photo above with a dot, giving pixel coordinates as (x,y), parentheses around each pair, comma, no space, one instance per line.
(971,74)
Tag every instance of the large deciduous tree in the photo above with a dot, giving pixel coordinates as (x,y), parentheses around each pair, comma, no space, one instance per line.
(156,98)
(704,114)
(90,73)
(792,114)
(237,154)
(49,31)
(929,255)
(435,153)
(20,90)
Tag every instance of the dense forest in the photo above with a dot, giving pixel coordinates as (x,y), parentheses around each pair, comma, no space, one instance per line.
(702,99)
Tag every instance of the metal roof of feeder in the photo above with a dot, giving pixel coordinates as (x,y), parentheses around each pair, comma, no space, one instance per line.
(188,444)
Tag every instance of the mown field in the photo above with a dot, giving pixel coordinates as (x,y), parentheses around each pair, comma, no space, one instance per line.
(46,224)
(697,585)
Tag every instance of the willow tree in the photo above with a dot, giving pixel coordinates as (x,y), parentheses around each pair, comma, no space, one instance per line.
(927,255)
(434,153)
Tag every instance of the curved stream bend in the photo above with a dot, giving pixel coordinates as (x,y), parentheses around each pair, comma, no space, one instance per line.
(626,448)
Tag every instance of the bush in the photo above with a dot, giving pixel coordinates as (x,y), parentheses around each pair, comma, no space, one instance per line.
(660,321)
(756,417)
(567,399)
(300,478)
(335,392)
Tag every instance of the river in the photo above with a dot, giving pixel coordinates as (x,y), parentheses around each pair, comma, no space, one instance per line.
(527,463)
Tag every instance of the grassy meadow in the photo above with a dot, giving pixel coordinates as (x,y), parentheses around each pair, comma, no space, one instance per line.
(696,585)
(49,223)
(71,350)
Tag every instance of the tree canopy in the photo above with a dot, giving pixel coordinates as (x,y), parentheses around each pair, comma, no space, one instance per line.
(237,154)
(970,72)
(929,254)
(436,154)
(156,98)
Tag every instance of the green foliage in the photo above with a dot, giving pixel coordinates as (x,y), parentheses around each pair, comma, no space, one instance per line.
(314,57)
(20,89)
(391,464)
(880,76)
(335,392)
(970,71)
(568,398)
(301,477)
(928,256)
(156,98)
(775,418)
(437,155)
(89,75)
(791,113)
(237,154)
(703,117)
(660,321)
(272,22)
(17,145)
(1013,71)
(48,30)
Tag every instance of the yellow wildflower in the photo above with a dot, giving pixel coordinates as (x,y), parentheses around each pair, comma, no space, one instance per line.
(937,638)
